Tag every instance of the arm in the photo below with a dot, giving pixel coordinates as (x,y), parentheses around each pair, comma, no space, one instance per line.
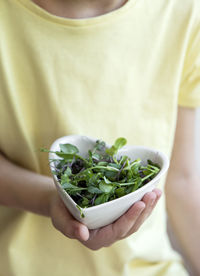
(33,192)
(24,189)
(183,189)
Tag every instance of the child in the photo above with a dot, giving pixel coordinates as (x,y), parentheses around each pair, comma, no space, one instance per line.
(103,69)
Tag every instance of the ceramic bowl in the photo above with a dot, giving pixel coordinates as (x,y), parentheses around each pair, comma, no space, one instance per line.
(106,213)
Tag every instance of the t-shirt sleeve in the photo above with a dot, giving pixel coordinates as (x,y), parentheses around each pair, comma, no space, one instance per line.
(189,93)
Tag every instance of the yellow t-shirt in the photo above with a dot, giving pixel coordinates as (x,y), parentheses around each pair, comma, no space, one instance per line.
(120,74)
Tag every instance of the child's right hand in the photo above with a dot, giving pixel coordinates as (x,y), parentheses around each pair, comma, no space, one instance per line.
(126,225)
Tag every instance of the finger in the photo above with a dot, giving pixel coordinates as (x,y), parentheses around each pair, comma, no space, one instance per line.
(107,235)
(150,200)
(123,225)
(158,192)
(158,195)
(65,223)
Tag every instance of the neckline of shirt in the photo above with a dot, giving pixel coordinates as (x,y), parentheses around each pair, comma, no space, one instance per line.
(82,22)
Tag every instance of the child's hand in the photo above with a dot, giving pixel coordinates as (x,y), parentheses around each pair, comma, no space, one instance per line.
(126,225)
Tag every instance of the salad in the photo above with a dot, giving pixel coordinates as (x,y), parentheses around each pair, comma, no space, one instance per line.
(103,175)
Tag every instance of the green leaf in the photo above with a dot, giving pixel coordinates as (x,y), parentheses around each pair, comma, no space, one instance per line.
(96,156)
(106,188)
(94,178)
(68,171)
(138,183)
(113,165)
(135,168)
(101,199)
(102,163)
(68,148)
(65,156)
(111,151)
(120,192)
(94,190)
(120,142)
(68,186)
(123,159)
(107,181)
(110,175)
(65,179)
(100,146)
(85,201)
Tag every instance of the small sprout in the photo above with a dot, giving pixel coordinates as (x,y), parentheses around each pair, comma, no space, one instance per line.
(80,210)
(100,177)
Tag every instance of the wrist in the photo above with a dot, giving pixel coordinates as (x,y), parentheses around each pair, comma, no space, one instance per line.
(48,199)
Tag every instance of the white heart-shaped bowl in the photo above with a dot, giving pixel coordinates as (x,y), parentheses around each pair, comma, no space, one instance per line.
(106,213)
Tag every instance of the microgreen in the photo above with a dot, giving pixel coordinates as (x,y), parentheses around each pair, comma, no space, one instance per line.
(102,176)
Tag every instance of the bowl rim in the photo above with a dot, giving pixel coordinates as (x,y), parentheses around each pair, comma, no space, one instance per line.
(148,149)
